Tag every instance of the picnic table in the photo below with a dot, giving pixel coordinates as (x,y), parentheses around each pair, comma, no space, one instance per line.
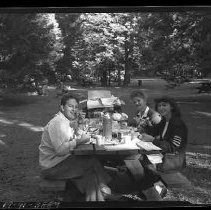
(130,155)
(117,151)
(205,86)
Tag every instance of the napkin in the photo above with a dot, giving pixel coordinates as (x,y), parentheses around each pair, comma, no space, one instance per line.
(148,146)
(155,158)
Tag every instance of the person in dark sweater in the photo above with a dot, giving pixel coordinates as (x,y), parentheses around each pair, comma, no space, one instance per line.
(171,136)
(171,133)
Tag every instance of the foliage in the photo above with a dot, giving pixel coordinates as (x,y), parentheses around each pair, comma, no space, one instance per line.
(28,49)
(69,25)
(164,43)
(111,47)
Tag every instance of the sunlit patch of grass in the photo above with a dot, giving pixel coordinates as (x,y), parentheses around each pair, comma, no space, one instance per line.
(198,160)
(196,196)
(22,124)
(198,171)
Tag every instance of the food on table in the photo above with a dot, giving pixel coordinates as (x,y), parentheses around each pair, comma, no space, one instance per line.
(124,116)
(119,117)
(116,116)
(156,118)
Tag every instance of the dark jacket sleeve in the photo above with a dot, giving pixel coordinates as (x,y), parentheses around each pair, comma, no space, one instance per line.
(155,130)
(175,138)
(132,122)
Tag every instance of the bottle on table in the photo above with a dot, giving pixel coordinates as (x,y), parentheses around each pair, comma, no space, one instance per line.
(107,126)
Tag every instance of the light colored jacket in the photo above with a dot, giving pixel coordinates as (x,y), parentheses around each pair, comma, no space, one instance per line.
(58,138)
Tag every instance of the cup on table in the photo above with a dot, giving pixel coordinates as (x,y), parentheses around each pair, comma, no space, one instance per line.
(134,135)
(127,139)
(99,140)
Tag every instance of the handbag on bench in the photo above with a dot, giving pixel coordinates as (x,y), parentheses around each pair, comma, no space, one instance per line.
(172,162)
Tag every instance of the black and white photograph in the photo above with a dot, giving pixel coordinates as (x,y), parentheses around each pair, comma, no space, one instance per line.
(105,106)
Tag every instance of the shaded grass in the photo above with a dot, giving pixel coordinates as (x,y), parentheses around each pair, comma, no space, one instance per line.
(13,100)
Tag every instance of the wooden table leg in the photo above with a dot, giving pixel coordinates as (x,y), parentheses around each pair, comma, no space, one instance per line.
(136,169)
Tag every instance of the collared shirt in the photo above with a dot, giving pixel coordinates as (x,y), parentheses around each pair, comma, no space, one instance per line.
(145,114)
(143,119)
(165,129)
(58,139)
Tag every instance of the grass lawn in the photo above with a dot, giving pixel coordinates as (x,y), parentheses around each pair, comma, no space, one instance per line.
(22,119)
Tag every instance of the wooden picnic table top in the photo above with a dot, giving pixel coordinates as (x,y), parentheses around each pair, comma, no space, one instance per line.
(94,149)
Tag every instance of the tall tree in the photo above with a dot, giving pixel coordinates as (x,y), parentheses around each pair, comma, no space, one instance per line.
(70,26)
(26,43)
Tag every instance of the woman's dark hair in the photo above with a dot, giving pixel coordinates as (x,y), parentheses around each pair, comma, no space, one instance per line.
(138,93)
(66,97)
(174,107)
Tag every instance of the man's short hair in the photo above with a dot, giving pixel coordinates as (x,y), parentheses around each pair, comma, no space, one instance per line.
(66,97)
(138,93)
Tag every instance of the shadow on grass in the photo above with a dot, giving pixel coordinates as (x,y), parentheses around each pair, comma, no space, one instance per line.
(196,170)
(198,176)
(11,100)
(197,98)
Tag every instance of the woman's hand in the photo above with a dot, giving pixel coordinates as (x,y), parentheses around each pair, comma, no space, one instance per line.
(146,137)
(137,120)
(85,137)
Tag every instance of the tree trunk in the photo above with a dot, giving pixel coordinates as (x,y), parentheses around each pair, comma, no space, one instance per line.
(119,76)
(109,75)
(127,68)
(104,79)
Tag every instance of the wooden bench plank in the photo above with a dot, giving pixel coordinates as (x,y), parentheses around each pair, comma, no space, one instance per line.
(83,149)
(136,169)
(52,185)
(175,180)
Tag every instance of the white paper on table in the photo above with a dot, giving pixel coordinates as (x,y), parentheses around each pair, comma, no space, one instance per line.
(155,158)
(108,101)
(148,146)
(94,104)
(121,147)
(95,94)
(99,103)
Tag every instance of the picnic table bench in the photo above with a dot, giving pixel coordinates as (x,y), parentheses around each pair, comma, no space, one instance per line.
(205,86)
(171,85)
(175,179)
